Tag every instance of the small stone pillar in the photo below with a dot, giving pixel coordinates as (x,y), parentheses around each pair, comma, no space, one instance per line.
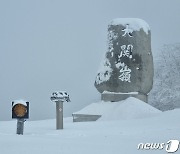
(59,115)
(127,69)
(59,97)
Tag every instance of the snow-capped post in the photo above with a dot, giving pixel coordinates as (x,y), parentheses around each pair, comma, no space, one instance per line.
(20,111)
(59,98)
(127,69)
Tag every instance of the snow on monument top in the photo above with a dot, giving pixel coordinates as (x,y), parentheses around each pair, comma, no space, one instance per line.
(134,23)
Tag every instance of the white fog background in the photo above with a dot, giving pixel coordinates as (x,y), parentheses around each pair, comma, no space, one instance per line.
(49,45)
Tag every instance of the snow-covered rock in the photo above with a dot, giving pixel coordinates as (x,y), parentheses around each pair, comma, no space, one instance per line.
(128,64)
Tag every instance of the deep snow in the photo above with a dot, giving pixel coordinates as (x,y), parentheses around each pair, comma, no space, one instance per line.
(131,108)
(118,136)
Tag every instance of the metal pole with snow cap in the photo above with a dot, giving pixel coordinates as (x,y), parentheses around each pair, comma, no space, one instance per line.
(59,98)
(20,111)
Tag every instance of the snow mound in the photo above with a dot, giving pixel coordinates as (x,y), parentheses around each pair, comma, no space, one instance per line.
(134,23)
(131,108)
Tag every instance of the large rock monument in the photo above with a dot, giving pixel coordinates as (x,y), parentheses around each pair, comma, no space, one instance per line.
(127,69)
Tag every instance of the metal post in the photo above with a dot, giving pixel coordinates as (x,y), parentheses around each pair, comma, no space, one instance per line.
(59,115)
(20,126)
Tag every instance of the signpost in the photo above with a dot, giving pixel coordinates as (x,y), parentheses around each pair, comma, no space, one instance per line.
(20,111)
(59,98)
(59,115)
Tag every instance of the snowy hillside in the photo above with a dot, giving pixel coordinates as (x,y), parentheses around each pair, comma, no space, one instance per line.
(118,136)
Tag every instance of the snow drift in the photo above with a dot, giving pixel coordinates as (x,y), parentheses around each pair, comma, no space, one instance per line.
(131,108)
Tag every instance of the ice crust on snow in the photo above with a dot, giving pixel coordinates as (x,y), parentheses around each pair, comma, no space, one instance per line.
(135,24)
(21,101)
(131,108)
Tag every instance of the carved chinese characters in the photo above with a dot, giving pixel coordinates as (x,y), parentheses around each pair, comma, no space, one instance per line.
(128,63)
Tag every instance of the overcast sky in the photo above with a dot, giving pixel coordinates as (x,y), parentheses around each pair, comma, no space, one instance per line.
(49,45)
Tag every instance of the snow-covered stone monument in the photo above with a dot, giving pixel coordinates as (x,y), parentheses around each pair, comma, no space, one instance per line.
(127,69)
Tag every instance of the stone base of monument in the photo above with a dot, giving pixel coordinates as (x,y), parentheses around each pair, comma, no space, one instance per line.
(115,97)
(85,117)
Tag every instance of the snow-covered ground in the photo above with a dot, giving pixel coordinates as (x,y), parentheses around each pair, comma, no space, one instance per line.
(131,108)
(105,136)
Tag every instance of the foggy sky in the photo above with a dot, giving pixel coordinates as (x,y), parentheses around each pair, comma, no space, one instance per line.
(50,45)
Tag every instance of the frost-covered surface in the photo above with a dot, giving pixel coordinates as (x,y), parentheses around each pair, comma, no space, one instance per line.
(135,24)
(104,72)
(165,94)
(131,108)
(62,96)
(20,101)
(100,137)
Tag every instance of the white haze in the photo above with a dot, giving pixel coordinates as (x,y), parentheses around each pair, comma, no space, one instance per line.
(55,45)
